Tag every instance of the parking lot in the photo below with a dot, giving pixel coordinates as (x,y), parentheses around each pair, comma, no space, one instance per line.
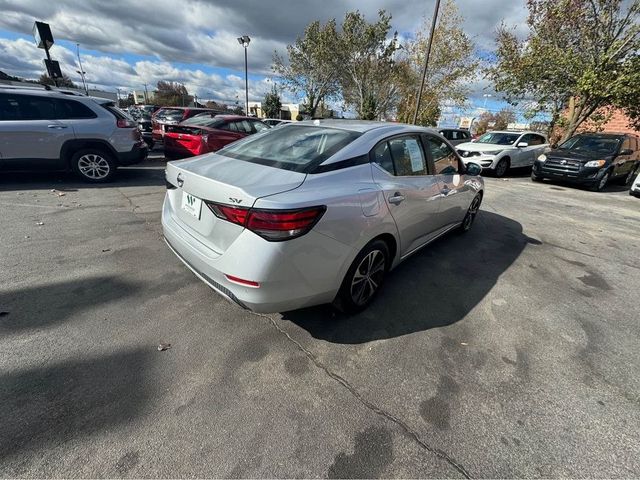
(511,351)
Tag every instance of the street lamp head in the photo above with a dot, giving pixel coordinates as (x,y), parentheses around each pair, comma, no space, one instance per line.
(244,41)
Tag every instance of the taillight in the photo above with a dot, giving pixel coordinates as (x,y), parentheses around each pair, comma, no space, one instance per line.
(272,225)
(124,123)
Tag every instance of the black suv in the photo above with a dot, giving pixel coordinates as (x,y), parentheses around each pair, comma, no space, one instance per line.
(591,159)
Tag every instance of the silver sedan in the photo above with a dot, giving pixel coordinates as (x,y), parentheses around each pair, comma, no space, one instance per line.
(316,212)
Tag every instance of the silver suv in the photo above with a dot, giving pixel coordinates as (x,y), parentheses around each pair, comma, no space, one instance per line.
(53,130)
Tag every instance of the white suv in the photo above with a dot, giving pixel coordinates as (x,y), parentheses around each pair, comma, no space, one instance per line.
(52,130)
(499,151)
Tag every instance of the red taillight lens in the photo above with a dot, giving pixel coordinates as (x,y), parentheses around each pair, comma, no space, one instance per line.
(124,123)
(272,225)
(241,281)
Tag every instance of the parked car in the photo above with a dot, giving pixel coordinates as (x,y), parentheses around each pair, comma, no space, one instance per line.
(634,188)
(146,130)
(171,116)
(500,150)
(456,136)
(317,211)
(591,159)
(205,133)
(274,122)
(51,130)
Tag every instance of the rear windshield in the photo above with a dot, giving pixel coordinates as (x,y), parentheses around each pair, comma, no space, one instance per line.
(592,144)
(293,147)
(169,112)
(204,120)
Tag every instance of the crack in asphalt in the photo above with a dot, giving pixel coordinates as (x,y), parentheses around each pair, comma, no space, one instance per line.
(133,210)
(377,410)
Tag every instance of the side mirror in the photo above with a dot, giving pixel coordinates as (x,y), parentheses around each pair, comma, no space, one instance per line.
(473,168)
(626,151)
(522,145)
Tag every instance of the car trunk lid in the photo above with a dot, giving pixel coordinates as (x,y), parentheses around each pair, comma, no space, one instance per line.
(218,179)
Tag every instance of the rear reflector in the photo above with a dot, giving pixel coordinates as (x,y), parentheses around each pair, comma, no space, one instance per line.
(240,281)
(272,225)
(124,123)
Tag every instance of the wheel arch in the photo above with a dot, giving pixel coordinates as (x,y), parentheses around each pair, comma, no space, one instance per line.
(70,147)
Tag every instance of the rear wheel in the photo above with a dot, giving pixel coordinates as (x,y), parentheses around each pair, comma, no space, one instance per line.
(501,168)
(93,165)
(364,278)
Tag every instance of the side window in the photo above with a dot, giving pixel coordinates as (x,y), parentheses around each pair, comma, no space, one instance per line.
(444,159)
(9,108)
(626,143)
(407,156)
(69,109)
(446,134)
(466,135)
(382,156)
(233,126)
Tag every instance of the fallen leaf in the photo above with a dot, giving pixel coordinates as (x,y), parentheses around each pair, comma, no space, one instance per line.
(106,250)
(164,346)
(61,194)
(40,223)
(464,343)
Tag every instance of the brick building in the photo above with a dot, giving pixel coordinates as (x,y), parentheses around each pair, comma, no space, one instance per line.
(618,123)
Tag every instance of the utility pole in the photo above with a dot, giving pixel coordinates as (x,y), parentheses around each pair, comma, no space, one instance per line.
(81,71)
(426,60)
(244,41)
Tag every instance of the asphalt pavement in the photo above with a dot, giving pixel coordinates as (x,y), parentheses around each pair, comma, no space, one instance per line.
(511,351)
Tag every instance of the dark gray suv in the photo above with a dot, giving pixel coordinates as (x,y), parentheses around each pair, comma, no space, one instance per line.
(51,130)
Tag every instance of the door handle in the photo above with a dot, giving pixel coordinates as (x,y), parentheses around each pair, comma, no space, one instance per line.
(58,127)
(396,198)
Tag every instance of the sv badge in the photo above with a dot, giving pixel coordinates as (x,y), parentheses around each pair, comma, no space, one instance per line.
(235,200)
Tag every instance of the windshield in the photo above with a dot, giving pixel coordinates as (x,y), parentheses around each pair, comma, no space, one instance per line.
(294,147)
(592,144)
(498,138)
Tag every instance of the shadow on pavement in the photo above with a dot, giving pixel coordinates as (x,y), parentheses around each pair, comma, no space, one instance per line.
(53,404)
(52,303)
(436,287)
(142,175)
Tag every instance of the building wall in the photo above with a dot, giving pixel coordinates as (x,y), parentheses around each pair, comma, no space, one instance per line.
(618,123)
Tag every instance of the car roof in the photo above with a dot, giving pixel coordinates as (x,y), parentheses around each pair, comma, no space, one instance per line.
(363,126)
(606,134)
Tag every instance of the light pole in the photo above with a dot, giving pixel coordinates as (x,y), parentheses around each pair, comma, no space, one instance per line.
(486,95)
(81,71)
(244,41)
(426,60)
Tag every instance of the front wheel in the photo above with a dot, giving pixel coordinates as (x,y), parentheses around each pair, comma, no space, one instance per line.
(501,168)
(600,184)
(467,222)
(364,278)
(93,165)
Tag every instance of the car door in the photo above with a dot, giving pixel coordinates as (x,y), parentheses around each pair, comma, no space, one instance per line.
(31,136)
(455,194)
(623,163)
(400,168)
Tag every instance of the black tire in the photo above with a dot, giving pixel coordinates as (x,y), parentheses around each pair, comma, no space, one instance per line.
(472,212)
(602,183)
(374,257)
(536,178)
(628,178)
(501,168)
(93,165)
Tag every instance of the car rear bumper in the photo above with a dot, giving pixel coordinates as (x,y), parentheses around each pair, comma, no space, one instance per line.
(295,274)
(138,153)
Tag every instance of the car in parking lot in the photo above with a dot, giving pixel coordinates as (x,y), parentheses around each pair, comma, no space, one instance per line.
(591,159)
(205,133)
(499,151)
(634,188)
(274,122)
(317,211)
(50,130)
(172,116)
(456,136)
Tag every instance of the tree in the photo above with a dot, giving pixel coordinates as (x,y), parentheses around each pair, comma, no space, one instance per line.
(494,121)
(452,67)
(271,105)
(369,74)
(580,56)
(172,93)
(127,101)
(311,69)
(65,81)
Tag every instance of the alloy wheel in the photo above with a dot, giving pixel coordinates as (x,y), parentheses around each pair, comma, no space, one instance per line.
(501,168)
(93,166)
(471,213)
(367,277)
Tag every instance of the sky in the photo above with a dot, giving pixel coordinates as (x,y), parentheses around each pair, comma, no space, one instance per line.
(127,43)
